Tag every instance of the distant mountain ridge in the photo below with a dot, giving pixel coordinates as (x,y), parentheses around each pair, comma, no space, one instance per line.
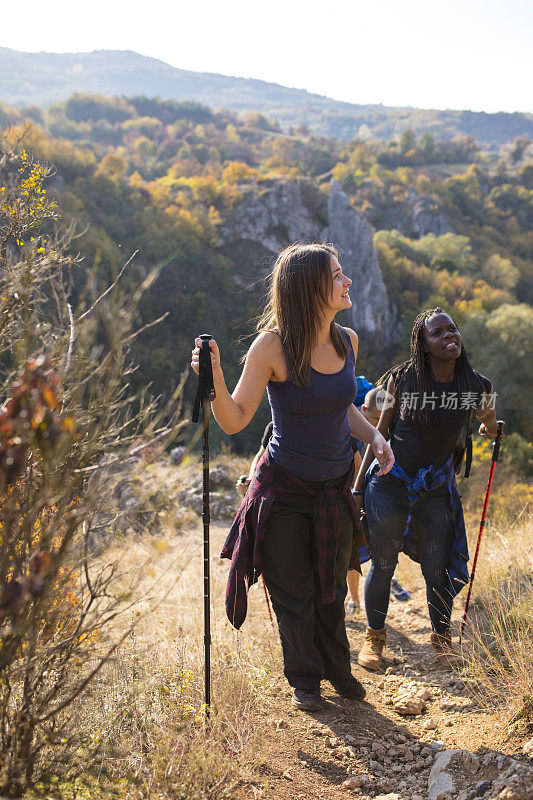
(45,78)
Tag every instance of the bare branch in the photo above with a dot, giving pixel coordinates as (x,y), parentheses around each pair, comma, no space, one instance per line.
(148,325)
(79,689)
(109,288)
(71,338)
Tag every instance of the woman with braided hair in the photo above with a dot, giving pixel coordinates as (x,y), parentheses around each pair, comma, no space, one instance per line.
(416,507)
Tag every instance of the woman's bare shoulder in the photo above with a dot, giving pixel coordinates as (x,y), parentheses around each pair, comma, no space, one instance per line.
(353,338)
(266,342)
(267,347)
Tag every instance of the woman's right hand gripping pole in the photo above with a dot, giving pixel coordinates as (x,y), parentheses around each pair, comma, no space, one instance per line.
(195,355)
(234,412)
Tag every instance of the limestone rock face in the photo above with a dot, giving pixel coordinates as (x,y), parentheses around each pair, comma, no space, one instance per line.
(279,213)
(425,215)
(274,217)
(353,236)
(223,499)
(410,212)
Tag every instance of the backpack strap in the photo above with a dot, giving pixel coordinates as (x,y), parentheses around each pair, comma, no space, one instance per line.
(397,381)
(469,429)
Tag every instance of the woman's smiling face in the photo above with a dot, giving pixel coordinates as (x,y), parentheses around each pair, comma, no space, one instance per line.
(339,298)
(442,338)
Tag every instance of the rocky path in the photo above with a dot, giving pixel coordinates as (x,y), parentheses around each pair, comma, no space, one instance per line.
(393,744)
(375,749)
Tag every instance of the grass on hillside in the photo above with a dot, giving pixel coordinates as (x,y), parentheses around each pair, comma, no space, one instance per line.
(499,633)
(145,731)
(143,728)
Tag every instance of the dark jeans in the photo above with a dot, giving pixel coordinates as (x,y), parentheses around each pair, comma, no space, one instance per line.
(387,508)
(313,634)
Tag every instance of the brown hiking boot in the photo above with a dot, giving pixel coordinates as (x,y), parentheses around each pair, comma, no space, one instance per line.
(370,654)
(445,653)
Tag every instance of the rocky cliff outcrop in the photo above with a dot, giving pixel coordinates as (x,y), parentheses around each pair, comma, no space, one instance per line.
(407,211)
(353,236)
(280,213)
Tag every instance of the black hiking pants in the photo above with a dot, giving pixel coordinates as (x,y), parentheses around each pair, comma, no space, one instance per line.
(313,634)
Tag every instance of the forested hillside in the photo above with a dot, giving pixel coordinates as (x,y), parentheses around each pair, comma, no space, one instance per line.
(194,191)
(45,78)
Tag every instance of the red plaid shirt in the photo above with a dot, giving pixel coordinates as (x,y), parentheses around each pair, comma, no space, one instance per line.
(243,545)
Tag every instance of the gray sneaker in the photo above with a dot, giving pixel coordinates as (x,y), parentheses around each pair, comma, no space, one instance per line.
(307,699)
(352,608)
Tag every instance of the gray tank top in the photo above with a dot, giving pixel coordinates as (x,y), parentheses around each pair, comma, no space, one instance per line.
(311,435)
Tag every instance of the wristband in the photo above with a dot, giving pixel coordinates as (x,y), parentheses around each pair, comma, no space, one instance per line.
(358,491)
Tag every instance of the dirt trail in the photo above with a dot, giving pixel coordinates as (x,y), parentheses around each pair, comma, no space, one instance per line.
(311,755)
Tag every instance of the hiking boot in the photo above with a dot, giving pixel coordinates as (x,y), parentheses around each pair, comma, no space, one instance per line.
(307,699)
(370,654)
(445,653)
(398,592)
(349,687)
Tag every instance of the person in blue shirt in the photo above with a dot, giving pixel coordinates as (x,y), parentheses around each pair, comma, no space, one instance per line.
(365,401)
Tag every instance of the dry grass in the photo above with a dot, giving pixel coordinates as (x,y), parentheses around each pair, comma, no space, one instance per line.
(499,634)
(146,732)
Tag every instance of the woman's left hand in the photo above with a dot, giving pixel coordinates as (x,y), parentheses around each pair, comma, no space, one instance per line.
(383,452)
(484,431)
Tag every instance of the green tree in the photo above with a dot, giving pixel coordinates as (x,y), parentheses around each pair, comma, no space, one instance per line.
(407,140)
(498,343)
(427,144)
(499,272)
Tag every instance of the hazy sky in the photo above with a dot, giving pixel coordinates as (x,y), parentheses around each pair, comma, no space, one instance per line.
(471,54)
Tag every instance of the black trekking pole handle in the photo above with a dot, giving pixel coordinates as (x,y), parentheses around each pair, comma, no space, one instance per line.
(204,394)
(498,440)
(206,389)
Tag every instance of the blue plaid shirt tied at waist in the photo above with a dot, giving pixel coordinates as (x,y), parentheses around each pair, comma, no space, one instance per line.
(425,480)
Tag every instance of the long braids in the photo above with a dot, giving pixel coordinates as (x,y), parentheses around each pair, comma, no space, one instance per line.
(414,376)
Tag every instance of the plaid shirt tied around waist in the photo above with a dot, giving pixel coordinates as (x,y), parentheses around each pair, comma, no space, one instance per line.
(243,544)
(425,480)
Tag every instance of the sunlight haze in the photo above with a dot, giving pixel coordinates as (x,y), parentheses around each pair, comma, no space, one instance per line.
(472,54)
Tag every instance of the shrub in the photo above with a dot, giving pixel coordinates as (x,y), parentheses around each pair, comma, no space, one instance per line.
(69,415)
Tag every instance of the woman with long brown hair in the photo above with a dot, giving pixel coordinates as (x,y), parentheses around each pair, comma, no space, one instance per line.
(296,524)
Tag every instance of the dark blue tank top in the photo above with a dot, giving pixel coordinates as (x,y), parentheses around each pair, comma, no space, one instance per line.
(311,435)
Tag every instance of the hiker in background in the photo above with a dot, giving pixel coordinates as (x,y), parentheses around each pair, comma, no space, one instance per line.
(298,523)
(366,402)
(416,506)
(244,481)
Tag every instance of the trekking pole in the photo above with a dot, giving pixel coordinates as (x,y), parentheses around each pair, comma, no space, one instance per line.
(495,454)
(204,394)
